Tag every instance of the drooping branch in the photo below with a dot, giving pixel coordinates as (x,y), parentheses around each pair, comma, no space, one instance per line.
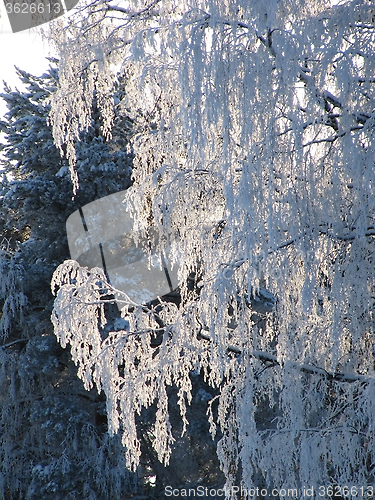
(348,237)
(272,360)
(324,97)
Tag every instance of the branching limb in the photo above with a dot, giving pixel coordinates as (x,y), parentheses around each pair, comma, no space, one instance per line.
(272,360)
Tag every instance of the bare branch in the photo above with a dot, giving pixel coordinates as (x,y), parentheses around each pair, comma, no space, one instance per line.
(10,344)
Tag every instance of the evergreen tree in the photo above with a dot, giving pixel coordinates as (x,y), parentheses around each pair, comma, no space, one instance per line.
(53,443)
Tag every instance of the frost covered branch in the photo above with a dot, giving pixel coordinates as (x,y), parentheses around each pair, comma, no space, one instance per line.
(265,357)
(255,127)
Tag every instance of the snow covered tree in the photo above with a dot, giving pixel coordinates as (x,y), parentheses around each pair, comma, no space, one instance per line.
(53,442)
(254,163)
